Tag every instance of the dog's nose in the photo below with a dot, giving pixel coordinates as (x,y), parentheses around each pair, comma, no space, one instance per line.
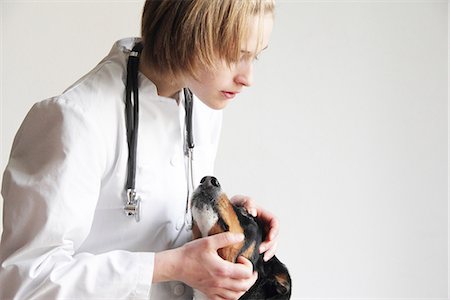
(210,181)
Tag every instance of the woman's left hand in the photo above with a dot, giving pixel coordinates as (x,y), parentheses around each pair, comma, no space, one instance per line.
(268,246)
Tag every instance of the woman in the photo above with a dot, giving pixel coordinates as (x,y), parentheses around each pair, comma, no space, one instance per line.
(65,232)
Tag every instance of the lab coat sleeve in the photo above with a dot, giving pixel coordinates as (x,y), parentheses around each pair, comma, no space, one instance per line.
(50,190)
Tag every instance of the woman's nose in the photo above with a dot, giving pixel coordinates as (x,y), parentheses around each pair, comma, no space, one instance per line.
(244,75)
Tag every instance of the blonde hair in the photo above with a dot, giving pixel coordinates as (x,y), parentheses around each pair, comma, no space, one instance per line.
(180,35)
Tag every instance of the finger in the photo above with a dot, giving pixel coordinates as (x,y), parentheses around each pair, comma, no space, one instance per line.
(238,200)
(247,202)
(237,286)
(250,206)
(228,295)
(272,228)
(245,261)
(224,239)
(234,289)
(215,297)
(271,252)
(267,246)
(234,271)
(241,259)
(271,221)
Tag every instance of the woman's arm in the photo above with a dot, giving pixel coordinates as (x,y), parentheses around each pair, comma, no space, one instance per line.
(50,189)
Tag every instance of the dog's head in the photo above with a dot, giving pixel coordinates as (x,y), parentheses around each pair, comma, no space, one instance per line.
(213,213)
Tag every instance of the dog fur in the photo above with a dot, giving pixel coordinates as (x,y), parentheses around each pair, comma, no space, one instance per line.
(213,213)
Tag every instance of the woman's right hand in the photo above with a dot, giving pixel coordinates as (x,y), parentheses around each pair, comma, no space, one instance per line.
(198,265)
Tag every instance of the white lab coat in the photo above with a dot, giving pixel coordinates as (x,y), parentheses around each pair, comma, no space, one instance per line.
(65,232)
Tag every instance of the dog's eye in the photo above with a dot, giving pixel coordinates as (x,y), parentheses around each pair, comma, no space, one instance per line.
(203,180)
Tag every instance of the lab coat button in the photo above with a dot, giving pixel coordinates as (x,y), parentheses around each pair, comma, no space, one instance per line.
(178,290)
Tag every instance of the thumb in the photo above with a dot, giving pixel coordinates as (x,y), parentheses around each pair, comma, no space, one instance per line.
(224,239)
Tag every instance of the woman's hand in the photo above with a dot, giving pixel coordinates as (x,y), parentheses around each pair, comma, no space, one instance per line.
(269,246)
(198,265)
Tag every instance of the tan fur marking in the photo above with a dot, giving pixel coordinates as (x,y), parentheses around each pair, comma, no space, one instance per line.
(249,252)
(215,229)
(230,252)
(228,214)
(229,217)
(282,279)
(196,234)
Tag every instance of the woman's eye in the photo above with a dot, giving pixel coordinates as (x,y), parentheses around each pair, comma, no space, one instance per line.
(248,57)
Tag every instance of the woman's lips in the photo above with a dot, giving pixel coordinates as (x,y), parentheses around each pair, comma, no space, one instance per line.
(229,95)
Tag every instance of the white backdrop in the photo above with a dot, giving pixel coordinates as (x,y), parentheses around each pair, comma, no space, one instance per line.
(344,134)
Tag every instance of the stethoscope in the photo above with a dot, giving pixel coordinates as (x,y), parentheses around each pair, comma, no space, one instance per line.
(133,201)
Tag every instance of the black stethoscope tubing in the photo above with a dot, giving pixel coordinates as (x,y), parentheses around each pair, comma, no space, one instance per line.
(132,207)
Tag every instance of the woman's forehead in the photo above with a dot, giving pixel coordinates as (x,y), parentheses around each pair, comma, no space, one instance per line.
(259,32)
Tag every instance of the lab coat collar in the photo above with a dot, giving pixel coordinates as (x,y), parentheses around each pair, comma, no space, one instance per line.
(122,48)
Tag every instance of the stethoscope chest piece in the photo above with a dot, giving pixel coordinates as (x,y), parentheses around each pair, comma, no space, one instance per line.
(133,205)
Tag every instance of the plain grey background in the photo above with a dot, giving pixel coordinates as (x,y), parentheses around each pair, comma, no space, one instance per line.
(344,135)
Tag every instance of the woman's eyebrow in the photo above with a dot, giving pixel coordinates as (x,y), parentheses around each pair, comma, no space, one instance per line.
(250,52)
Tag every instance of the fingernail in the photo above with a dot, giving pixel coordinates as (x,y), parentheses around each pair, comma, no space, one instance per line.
(253,212)
(262,249)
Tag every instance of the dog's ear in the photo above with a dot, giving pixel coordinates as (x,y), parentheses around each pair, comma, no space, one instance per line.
(279,281)
(282,284)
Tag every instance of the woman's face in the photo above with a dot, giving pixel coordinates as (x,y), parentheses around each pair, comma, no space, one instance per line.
(216,88)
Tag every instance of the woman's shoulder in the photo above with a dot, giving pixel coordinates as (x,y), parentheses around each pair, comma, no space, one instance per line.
(105,83)
(96,99)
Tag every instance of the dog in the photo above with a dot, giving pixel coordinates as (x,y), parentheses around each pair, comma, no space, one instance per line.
(212,213)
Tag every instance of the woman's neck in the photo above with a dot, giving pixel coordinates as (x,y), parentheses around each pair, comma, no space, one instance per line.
(167,86)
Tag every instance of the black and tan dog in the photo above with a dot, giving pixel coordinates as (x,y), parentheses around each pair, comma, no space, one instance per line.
(213,213)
